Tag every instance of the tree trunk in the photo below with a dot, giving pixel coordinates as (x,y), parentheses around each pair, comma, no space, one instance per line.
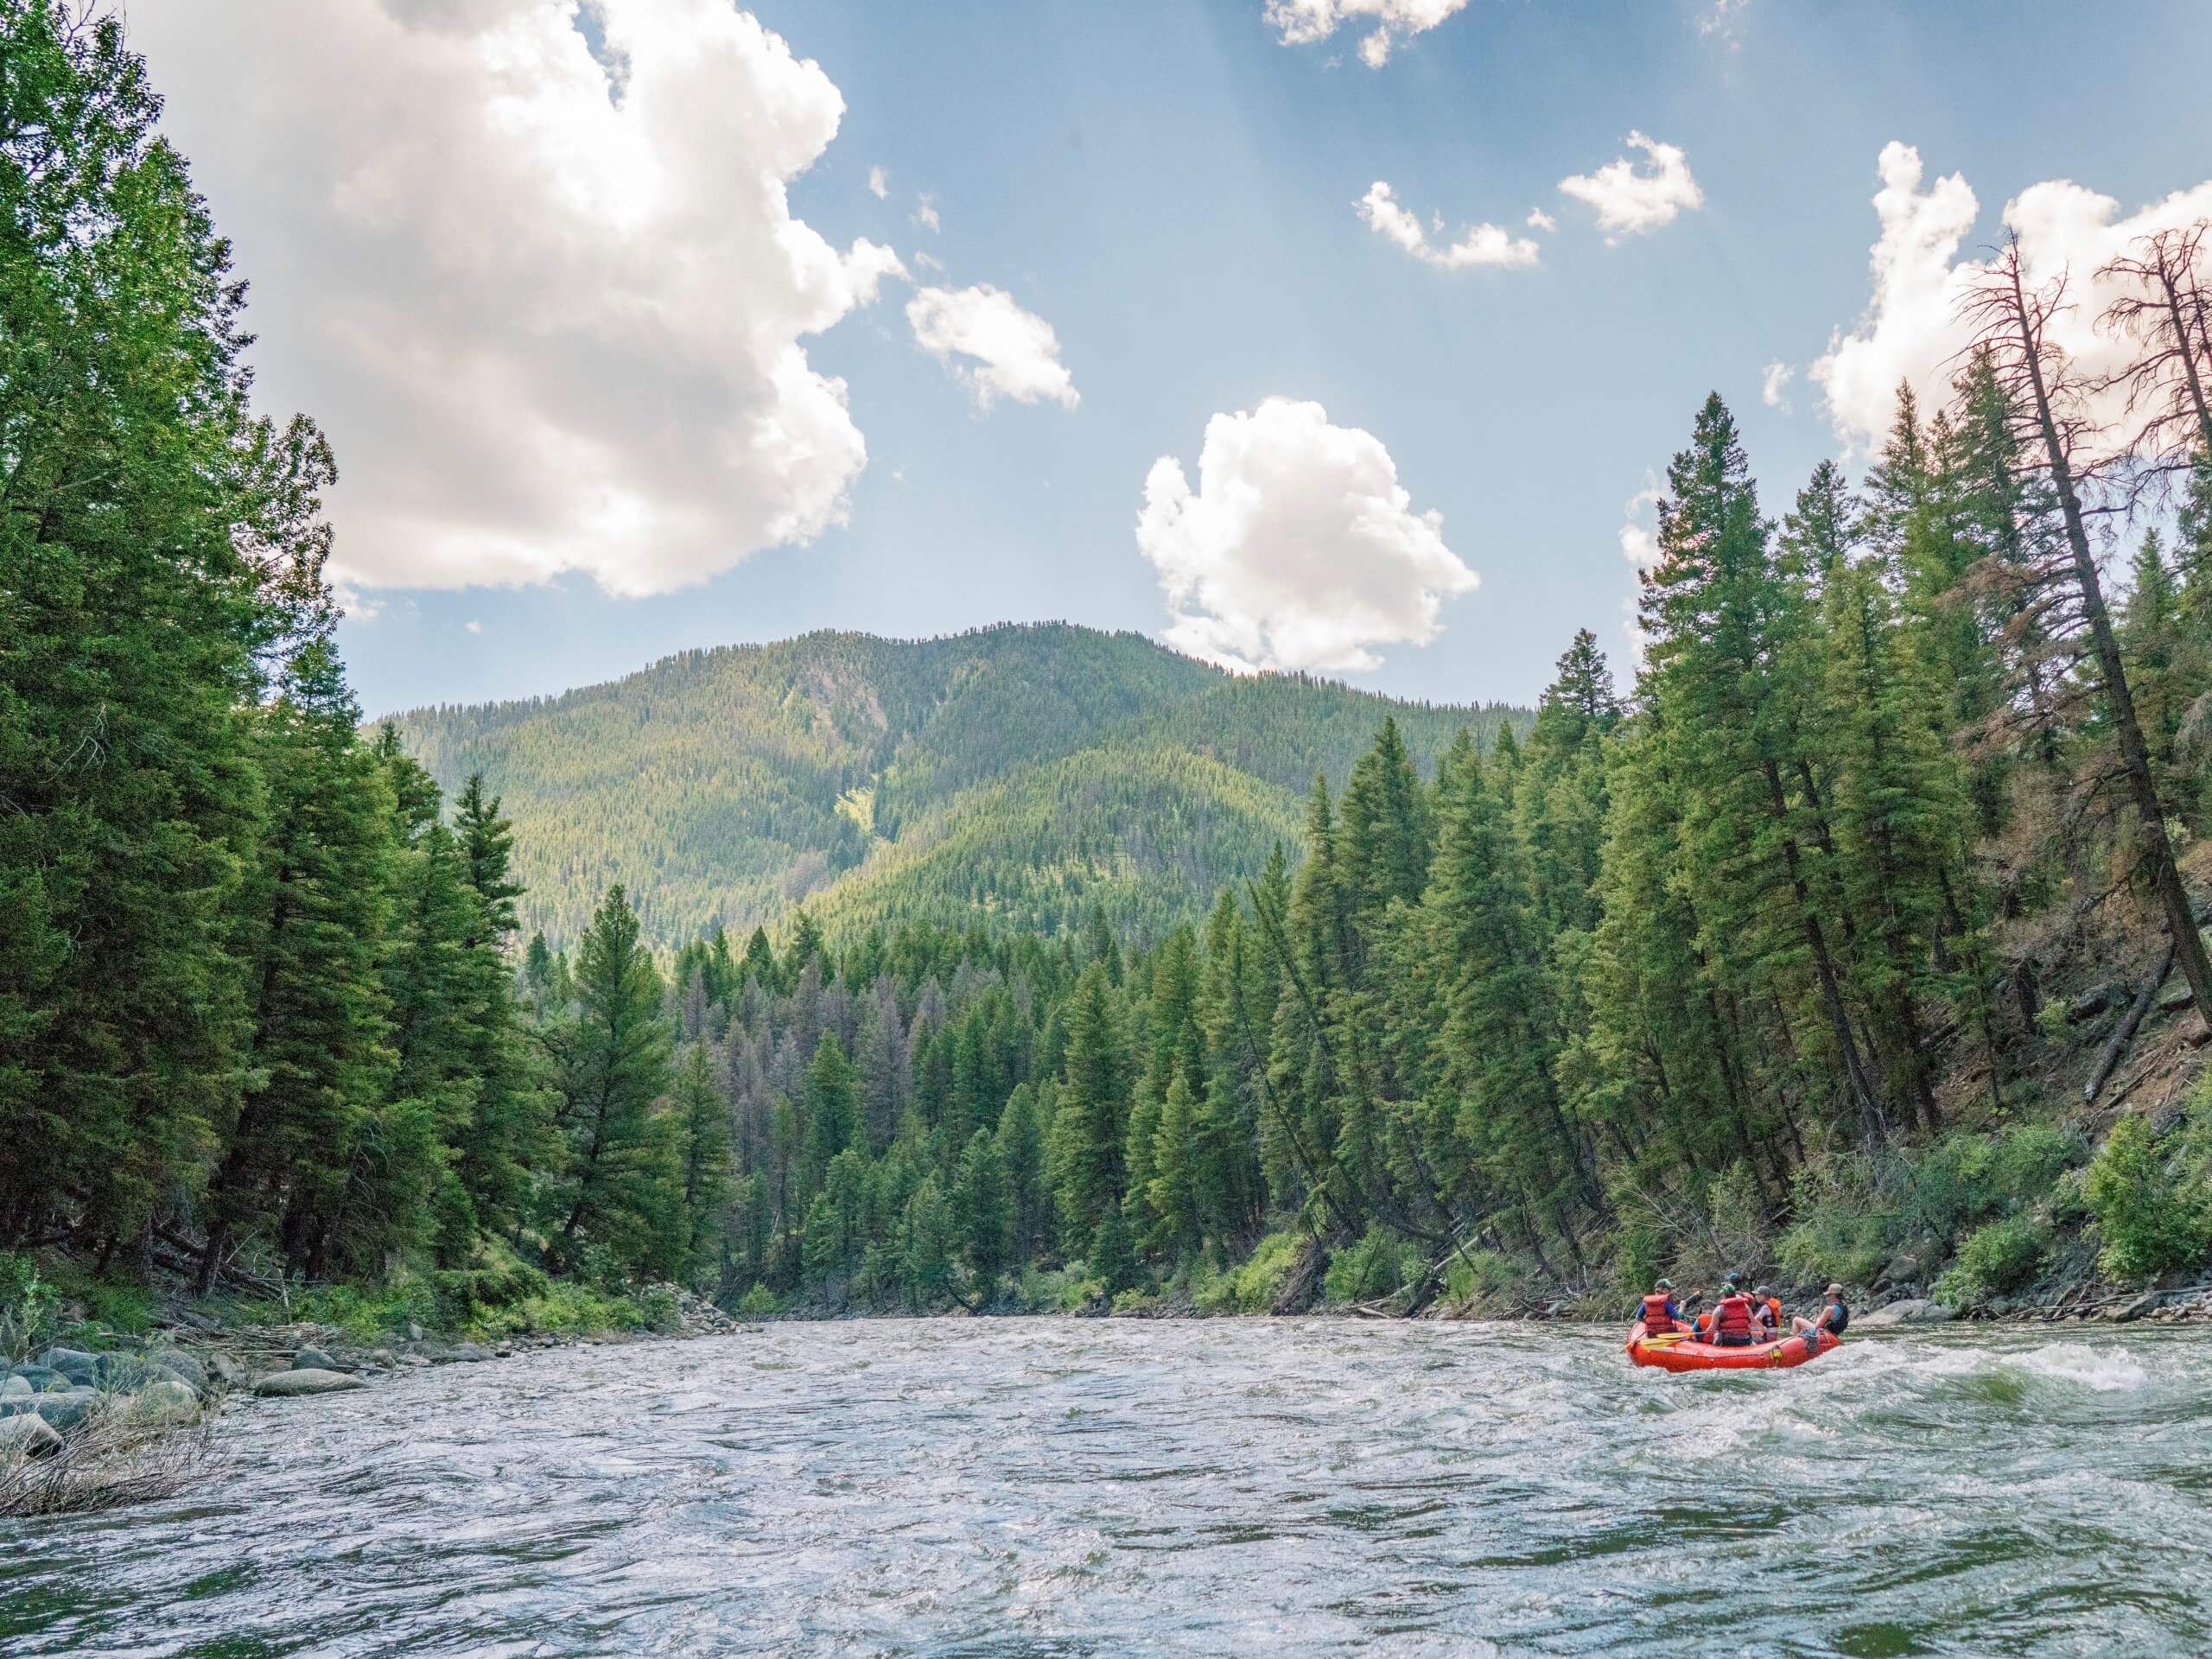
(2166,874)
(1862,1091)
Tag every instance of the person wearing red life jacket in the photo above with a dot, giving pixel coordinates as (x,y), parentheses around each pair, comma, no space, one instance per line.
(1735,1324)
(1660,1315)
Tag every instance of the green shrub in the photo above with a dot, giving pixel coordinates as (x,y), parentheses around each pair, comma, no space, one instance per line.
(1996,1259)
(1478,1272)
(1847,1228)
(758,1303)
(2032,1157)
(661,1312)
(1375,1266)
(566,1309)
(366,1314)
(1251,1286)
(2151,1218)
(27,1305)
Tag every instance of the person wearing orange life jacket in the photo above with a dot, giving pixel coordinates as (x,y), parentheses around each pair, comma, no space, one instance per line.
(1702,1323)
(1733,1324)
(1767,1310)
(1660,1315)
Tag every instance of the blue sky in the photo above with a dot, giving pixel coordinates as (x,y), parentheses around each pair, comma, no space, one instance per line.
(1174,191)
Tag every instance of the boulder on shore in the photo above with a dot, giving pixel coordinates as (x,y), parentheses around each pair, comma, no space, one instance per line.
(28,1433)
(464,1353)
(284,1385)
(66,1410)
(169,1400)
(123,1371)
(312,1359)
(73,1363)
(14,1387)
(2135,1308)
(185,1367)
(1918,1310)
(41,1377)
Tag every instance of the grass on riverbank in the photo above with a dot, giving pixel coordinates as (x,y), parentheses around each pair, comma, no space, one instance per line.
(115,1457)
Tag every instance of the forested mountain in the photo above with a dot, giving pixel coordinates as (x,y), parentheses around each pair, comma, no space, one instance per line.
(1016,773)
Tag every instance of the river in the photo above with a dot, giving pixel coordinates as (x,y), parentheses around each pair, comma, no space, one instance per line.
(1004,1489)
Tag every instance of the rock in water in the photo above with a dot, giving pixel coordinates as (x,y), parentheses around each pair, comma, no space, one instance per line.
(469,1353)
(28,1433)
(283,1385)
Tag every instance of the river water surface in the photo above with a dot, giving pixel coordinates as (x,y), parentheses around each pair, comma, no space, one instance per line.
(1050,1488)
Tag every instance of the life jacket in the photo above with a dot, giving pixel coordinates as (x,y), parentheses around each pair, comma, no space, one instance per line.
(1773,1311)
(1733,1317)
(1656,1319)
(1842,1316)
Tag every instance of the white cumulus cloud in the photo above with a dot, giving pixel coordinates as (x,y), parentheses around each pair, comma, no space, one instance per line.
(926,213)
(1631,199)
(552,306)
(473,627)
(997,349)
(1482,244)
(879,183)
(1303,21)
(1639,538)
(1910,330)
(1541,220)
(1298,550)
(1772,379)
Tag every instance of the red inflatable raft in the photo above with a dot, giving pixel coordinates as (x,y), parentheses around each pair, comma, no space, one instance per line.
(1674,1353)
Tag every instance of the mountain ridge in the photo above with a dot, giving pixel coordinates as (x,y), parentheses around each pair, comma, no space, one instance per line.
(853,772)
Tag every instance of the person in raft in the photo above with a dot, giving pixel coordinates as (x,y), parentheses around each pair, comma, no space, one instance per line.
(1767,1309)
(1835,1315)
(1660,1314)
(1734,1325)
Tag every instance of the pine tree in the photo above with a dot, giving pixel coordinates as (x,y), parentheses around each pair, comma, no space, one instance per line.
(1091,1125)
(1726,626)
(621,1182)
(983,1212)
(927,1258)
(322,1046)
(707,1164)
(1021,1150)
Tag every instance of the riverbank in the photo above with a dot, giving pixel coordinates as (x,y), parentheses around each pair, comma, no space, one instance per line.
(99,1417)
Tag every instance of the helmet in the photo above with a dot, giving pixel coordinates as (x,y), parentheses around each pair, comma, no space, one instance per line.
(1664,1284)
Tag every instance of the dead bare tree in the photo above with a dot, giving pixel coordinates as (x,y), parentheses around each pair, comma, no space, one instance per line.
(2163,304)
(2010,320)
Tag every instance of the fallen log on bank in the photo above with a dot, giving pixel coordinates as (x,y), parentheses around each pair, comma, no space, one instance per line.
(2124,1032)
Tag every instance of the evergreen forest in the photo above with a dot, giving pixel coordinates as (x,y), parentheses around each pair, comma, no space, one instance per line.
(1039,968)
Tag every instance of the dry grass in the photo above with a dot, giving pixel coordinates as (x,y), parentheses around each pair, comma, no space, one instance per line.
(115,1456)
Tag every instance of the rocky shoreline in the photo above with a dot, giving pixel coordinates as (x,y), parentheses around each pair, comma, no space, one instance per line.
(79,1402)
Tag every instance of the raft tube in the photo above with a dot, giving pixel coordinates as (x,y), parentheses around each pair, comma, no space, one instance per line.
(1684,1354)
